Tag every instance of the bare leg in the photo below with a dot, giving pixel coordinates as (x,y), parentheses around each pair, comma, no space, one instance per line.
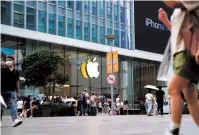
(176,84)
(191,95)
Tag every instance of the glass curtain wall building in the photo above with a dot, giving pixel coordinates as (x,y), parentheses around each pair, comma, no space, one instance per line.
(82,20)
(77,29)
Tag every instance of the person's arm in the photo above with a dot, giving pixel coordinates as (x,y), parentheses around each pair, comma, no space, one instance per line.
(174,3)
(163,17)
(17,83)
(164,97)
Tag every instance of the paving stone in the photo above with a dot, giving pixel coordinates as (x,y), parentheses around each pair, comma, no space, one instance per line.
(99,125)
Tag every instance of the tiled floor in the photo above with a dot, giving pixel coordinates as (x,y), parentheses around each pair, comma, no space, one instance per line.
(99,125)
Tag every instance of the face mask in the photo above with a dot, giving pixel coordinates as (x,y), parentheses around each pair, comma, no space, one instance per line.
(9,63)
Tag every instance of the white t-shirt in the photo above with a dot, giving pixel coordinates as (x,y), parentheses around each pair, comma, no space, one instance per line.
(149,98)
(19,104)
(117,100)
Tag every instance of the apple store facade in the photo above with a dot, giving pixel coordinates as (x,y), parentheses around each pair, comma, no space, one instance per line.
(133,75)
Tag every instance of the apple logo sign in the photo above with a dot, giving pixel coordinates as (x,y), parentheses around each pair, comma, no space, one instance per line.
(90,69)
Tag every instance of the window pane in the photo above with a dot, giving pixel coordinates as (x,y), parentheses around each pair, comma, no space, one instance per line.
(109,11)
(18,8)
(42,5)
(61,11)
(102,35)
(94,33)
(123,44)
(109,31)
(78,15)
(122,17)
(102,22)
(70,4)
(69,13)
(122,27)
(70,27)
(78,5)
(31,3)
(116,13)
(86,31)
(5,12)
(116,41)
(130,41)
(19,1)
(94,20)
(78,29)
(109,23)
(94,8)
(86,7)
(52,2)
(102,8)
(31,19)
(86,18)
(18,20)
(61,3)
(42,21)
(116,25)
(61,25)
(52,8)
(52,24)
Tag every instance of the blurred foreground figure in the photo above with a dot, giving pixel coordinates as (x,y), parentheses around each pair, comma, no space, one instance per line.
(185,64)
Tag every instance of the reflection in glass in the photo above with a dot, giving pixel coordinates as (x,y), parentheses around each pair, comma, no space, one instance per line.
(86,6)
(78,29)
(102,8)
(42,5)
(122,15)
(42,21)
(102,35)
(70,4)
(128,16)
(5,12)
(94,8)
(116,13)
(70,27)
(78,5)
(31,3)
(86,31)
(109,31)
(18,15)
(109,10)
(61,3)
(94,33)
(123,44)
(116,41)
(31,18)
(52,24)
(61,25)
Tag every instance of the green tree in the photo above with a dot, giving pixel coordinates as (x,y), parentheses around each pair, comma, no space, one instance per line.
(44,67)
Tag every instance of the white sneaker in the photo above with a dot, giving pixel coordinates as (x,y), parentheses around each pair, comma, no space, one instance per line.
(16,123)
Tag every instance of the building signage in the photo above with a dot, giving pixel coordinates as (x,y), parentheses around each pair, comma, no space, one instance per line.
(111,79)
(109,57)
(89,69)
(151,35)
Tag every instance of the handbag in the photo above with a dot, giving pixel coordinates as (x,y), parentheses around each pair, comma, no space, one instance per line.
(190,32)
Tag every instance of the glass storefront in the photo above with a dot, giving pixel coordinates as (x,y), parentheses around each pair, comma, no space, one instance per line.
(133,74)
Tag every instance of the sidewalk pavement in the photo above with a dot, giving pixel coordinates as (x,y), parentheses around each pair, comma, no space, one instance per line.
(97,125)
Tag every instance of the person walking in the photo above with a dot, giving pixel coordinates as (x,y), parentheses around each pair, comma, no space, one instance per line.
(149,101)
(160,99)
(185,66)
(10,88)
